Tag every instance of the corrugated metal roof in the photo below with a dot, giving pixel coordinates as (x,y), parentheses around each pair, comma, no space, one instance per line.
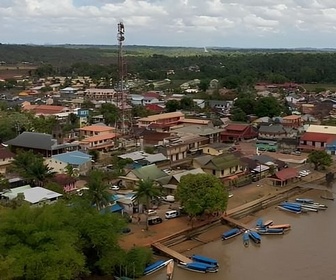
(74,157)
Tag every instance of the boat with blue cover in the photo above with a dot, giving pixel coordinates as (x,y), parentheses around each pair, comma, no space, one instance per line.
(231,233)
(156,266)
(270,231)
(255,236)
(246,238)
(260,223)
(198,267)
(288,209)
(203,259)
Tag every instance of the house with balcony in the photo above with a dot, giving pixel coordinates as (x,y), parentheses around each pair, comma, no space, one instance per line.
(223,166)
(161,122)
(94,130)
(100,142)
(237,132)
(6,157)
(292,121)
(177,148)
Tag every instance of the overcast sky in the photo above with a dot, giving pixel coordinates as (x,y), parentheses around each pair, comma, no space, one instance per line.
(198,23)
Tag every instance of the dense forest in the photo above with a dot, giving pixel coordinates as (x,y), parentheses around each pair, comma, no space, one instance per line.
(233,67)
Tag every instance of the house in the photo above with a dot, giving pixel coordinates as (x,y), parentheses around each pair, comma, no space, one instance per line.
(237,132)
(216,149)
(81,162)
(68,90)
(292,121)
(67,183)
(150,137)
(149,100)
(40,143)
(221,166)
(143,158)
(94,130)
(100,94)
(287,144)
(208,131)
(220,105)
(276,131)
(36,196)
(285,176)
(177,148)
(151,172)
(46,110)
(101,142)
(156,108)
(161,122)
(136,99)
(310,141)
(6,156)
(196,122)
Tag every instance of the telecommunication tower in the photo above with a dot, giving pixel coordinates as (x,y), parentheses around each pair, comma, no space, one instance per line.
(120,95)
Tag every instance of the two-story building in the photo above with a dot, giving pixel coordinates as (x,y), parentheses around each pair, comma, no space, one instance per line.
(161,122)
(221,166)
(318,137)
(94,130)
(6,157)
(97,137)
(100,93)
(236,132)
(292,121)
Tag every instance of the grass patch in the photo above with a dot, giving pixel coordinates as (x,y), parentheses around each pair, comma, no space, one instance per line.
(312,87)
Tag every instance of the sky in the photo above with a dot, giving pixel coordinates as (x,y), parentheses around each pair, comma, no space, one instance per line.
(185,23)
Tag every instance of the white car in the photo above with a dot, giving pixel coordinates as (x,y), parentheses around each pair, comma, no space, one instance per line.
(114,188)
(150,212)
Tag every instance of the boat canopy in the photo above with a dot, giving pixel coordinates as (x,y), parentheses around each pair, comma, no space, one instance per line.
(202,259)
(153,266)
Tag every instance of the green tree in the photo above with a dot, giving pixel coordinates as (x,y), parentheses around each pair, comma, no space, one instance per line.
(173,105)
(268,106)
(246,104)
(145,192)
(238,115)
(140,111)
(187,103)
(32,167)
(98,193)
(201,193)
(319,159)
(110,113)
(135,262)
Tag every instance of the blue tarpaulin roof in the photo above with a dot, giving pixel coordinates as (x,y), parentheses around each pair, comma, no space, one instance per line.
(112,209)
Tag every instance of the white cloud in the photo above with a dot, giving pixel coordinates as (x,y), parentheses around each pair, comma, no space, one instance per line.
(170,22)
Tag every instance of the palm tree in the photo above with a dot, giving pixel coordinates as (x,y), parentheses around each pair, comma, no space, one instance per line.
(32,167)
(145,192)
(97,192)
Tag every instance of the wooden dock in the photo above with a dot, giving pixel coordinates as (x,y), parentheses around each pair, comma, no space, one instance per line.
(234,222)
(171,253)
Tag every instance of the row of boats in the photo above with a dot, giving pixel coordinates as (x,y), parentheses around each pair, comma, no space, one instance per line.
(302,205)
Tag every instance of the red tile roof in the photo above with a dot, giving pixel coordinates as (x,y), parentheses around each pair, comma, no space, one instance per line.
(287,173)
(317,137)
(236,127)
(6,153)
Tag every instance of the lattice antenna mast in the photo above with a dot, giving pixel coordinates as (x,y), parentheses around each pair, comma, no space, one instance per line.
(121,39)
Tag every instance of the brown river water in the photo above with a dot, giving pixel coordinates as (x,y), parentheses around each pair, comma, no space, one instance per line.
(307,251)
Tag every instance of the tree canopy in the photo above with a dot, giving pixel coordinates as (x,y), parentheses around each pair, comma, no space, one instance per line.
(202,193)
(319,159)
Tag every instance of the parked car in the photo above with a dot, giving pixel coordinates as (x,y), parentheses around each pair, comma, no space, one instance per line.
(296,153)
(114,188)
(150,212)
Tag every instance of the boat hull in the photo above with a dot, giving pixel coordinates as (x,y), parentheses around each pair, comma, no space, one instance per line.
(255,237)
(246,239)
(156,266)
(204,260)
(231,233)
(269,231)
(198,267)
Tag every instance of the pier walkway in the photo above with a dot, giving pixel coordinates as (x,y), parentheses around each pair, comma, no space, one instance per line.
(234,222)
(171,253)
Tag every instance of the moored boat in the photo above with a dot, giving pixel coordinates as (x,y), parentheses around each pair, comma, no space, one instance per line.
(260,223)
(246,238)
(296,211)
(255,237)
(280,226)
(270,231)
(231,233)
(156,266)
(170,270)
(198,267)
(327,197)
(304,200)
(268,223)
(206,260)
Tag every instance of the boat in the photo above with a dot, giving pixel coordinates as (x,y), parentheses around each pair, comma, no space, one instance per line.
(255,237)
(170,270)
(246,238)
(291,206)
(268,223)
(260,223)
(283,226)
(327,197)
(296,211)
(198,267)
(270,231)
(309,209)
(156,266)
(206,260)
(231,233)
(304,200)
